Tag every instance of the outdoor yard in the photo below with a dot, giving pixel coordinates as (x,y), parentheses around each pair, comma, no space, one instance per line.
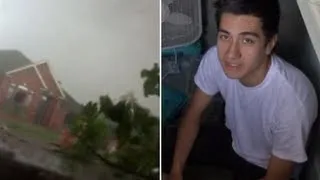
(30,131)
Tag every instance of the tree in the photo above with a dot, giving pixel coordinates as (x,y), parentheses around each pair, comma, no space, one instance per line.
(88,132)
(136,132)
(151,81)
(133,127)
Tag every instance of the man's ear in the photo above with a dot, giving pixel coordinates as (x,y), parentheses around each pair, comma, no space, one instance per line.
(271,44)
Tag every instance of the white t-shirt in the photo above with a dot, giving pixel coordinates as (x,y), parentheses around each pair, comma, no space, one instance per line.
(274,117)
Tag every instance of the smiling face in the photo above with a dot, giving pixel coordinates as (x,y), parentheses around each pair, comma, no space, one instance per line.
(243,49)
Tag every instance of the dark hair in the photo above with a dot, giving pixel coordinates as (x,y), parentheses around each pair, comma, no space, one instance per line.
(267,10)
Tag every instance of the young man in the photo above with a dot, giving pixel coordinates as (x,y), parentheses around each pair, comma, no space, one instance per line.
(270,105)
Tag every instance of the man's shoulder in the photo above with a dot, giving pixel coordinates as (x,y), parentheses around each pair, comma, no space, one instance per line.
(210,61)
(212,50)
(211,54)
(289,74)
(293,85)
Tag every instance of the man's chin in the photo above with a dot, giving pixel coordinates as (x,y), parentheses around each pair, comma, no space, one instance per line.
(232,75)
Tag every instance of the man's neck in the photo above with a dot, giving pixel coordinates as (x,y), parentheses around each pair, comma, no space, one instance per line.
(256,77)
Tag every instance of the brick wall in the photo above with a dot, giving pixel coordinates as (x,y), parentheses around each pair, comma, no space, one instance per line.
(58,115)
(48,78)
(29,78)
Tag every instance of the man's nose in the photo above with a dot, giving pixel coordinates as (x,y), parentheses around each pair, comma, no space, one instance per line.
(233,50)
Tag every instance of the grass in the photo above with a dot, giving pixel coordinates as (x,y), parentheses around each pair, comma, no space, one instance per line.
(33,131)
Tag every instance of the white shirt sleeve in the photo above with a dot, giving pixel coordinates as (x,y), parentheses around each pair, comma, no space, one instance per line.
(205,77)
(290,132)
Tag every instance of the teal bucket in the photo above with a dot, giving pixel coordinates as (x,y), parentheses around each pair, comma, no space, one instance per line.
(173,102)
(191,50)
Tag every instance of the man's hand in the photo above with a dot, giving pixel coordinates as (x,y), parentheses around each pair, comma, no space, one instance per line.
(279,169)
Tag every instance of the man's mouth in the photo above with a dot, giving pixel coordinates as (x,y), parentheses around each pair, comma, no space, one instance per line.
(232,66)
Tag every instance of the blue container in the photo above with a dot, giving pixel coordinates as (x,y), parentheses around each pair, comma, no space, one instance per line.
(172,103)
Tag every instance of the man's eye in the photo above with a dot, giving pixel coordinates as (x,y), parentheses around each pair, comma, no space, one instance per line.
(224,37)
(248,41)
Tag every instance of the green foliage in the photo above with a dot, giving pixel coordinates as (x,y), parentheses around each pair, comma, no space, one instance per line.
(135,131)
(138,138)
(133,126)
(151,81)
(90,130)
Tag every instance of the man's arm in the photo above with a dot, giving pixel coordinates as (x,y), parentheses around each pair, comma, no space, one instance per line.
(290,128)
(188,129)
(279,169)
